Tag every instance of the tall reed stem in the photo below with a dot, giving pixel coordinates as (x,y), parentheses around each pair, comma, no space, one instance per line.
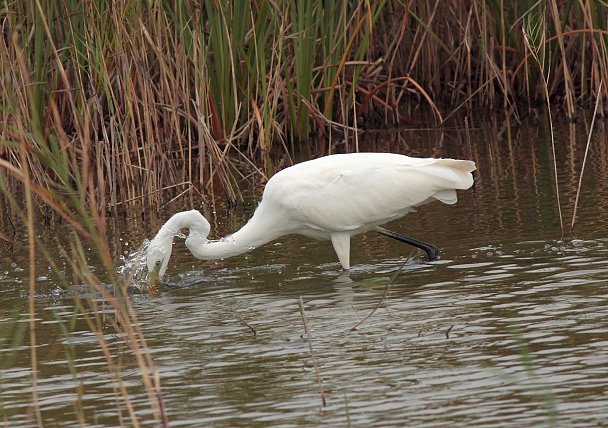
(580,178)
(32,287)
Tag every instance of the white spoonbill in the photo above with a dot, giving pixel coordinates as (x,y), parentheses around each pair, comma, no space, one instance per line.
(330,198)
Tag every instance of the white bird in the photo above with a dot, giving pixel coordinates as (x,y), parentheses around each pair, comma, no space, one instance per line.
(329,198)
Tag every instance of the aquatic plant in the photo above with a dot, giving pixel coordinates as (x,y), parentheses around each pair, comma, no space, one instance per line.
(158,99)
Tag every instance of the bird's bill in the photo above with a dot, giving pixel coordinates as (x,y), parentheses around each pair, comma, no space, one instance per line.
(154,279)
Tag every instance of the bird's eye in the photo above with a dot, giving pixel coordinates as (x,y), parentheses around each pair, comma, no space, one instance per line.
(156,263)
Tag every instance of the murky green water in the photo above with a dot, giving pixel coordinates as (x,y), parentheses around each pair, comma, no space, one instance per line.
(509,328)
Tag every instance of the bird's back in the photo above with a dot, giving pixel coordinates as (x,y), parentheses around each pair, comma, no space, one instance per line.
(356,192)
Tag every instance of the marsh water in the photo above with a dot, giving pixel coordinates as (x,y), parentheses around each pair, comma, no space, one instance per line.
(509,328)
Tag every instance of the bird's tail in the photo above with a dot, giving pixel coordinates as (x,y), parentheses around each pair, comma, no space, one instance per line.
(450,175)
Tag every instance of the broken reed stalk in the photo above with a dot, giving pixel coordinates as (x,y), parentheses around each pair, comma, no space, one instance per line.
(255,333)
(580,178)
(387,289)
(312,353)
(447,333)
(161,403)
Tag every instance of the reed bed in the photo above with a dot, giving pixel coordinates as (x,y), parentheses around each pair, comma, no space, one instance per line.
(149,100)
(102,304)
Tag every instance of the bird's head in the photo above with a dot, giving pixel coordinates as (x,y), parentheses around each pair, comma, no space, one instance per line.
(159,250)
(157,257)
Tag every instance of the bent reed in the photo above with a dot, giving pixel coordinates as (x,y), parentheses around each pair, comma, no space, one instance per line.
(138,102)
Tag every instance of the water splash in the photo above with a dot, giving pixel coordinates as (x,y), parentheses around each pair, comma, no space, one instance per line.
(134,272)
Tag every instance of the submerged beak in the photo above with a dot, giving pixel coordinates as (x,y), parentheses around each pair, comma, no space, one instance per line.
(154,279)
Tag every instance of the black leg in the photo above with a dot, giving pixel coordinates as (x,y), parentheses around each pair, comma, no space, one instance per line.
(430,250)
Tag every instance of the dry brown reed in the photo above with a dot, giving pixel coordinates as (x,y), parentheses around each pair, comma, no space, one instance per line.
(88,234)
(312,352)
(154,100)
(585,157)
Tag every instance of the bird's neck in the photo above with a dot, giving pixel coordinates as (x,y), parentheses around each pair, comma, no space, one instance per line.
(246,239)
(191,220)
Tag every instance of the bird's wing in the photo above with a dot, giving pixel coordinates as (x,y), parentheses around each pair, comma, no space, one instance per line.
(356,194)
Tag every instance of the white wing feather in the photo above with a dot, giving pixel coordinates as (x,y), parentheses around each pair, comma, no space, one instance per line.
(357,192)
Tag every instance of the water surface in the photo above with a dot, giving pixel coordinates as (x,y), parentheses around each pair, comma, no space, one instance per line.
(509,328)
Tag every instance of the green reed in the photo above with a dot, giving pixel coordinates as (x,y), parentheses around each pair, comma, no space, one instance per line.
(88,237)
(50,152)
(157,94)
(534,383)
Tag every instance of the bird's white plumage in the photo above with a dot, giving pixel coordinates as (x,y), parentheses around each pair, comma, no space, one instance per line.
(358,191)
(334,197)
